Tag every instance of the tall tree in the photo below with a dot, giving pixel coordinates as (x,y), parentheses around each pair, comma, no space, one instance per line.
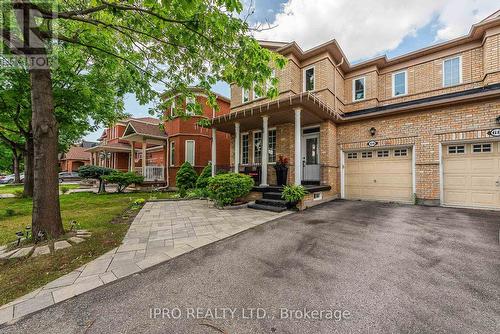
(175,42)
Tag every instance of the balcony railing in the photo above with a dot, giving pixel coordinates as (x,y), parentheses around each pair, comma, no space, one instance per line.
(151,173)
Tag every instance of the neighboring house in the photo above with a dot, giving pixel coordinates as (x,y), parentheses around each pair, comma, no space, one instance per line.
(421,127)
(165,146)
(75,157)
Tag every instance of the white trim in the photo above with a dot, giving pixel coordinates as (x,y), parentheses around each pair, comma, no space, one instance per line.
(170,157)
(441,175)
(253,144)
(243,95)
(414,170)
(342,174)
(460,80)
(186,153)
(394,83)
(354,89)
(241,148)
(304,78)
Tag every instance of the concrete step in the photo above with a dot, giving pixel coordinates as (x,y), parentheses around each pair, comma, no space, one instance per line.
(267,207)
(271,202)
(271,195)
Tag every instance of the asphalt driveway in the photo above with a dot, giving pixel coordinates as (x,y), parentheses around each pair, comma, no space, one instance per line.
(364,267)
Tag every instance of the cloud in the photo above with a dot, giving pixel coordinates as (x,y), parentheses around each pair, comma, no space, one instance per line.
(365,28)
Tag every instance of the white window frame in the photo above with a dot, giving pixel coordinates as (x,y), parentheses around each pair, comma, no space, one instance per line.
(275,145)
(248,148)
(459,70)
(243,95)
(253,145)
(172,107)
(255,96)
(171,153)
(394,83)
(313,67)
(481,147)
(190,100)
(354,88)
(186,151)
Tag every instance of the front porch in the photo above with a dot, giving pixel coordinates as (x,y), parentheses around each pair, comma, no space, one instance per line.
(300,129)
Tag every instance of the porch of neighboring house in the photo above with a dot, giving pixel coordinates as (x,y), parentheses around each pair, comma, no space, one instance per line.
(148,151)
(301,129)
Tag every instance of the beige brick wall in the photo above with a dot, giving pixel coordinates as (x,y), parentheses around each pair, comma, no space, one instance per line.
(425,130)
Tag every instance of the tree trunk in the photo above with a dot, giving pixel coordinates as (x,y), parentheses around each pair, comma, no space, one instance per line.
(15,166)
(29,156)
(46,209)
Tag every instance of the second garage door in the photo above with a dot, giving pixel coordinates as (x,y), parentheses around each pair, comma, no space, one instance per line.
(381,175)
(471,175)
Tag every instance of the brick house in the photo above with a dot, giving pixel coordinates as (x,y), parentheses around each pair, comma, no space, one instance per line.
(76,157)
(165,145)
(421,127)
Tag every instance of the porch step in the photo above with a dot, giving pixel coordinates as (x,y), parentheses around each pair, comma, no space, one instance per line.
(267,207)
(272,195)
(271,202)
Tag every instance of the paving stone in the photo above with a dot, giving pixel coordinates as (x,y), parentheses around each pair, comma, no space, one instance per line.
(33,305)
(173,252)
(125,270)
(22,252)
(108,277)
(85,236)
(6,314)
(42,250)
(61,244)
(95,267)
(78,288)
(153,260)
(65,280)
(76,240)
(5,255)
(128,248)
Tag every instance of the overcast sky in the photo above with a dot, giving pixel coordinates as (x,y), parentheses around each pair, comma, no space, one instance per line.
(364,28)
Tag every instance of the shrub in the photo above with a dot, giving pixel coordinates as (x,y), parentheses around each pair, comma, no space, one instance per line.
(10,212)
(95,172)
(64,189)
(186,178)
(206,174)
(293,193)
(224,189)
(19,193)
(123,180)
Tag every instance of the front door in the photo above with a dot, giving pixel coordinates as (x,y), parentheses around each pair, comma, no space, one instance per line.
(310,157)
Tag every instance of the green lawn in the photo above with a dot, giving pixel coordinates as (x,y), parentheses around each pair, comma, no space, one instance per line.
(11,189)
(105,216)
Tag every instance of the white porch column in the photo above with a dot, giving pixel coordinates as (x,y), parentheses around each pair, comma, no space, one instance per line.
(298,155)
(265,151)
(132,156)
(144,158)
(236,147)
(214,150)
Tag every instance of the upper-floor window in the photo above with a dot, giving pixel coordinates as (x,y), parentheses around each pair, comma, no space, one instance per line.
(358,89)
(172,108)
(309,79)
(256,95)
(190,100)
(190,151)
(452,71)
(399,83)
(245,95)
(172,153)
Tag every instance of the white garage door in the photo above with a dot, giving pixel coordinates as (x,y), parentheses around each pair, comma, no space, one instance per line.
(381,175)
(471,175)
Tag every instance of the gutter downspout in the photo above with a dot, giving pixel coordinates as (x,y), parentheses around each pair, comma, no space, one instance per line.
(335,83)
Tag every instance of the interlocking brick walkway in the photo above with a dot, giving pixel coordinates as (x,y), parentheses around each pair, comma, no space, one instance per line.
(161,231)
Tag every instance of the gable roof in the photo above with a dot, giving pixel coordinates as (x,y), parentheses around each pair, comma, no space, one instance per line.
(476,33)
(76,153)
(145,129)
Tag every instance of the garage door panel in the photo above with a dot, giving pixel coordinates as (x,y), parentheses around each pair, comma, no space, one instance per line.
(386,179)
(470,179)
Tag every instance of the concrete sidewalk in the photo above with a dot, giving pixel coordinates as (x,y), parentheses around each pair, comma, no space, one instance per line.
(161,231)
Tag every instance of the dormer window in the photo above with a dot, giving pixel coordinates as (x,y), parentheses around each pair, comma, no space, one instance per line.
(309,79)
(358,89)
(245,95)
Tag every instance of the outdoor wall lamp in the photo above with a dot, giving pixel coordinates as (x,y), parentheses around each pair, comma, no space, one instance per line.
(498,120)
(373,131)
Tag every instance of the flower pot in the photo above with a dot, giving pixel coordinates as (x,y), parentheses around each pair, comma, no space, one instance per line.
(281,175)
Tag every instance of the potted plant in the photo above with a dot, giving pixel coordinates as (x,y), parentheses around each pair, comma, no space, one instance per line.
(281,168)
(293,194)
